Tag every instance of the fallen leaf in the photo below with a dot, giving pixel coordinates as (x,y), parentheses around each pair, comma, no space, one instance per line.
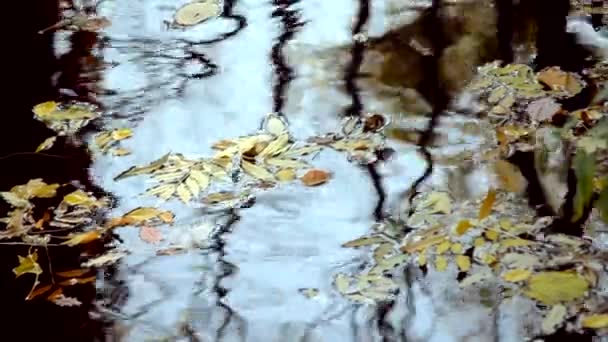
(584,168)
(486,205)
(80,197)
(62,300)
(171,251)
(183,193)
(46,144)
(543,110)
(342,283)
(197,12)
(150,234)
(475,278)
(315,177)
(143,214)
(75,281)
(273,124)
(82,238)
(554,319)
(135,171)
(309,292)
(559,80)
(121,134)
(422,244)
(439,202)
(256,171)
(15,200)
(27,264)
(364,241)
(516,275)
(443,247)
(35,188)
(597,321)
(463,262)
(457,248)
(105,259)
(120,152)
(73,273)
(441,263)
(286,175)
(462,227)
(45,108)
(509,176)
(552,287)
(491,234)
(522,261)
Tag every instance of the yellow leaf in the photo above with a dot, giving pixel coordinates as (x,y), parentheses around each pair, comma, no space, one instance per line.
(166,217)
(142,214)
(422,259)
(486,205)
(382,251)
(82,238)
(28,264)
(45,108)
(423,244)
(196,12)
(46,144)
(441,263)
(192,185)
(597,321)
(463,262)
(120,152)
(462,227)
(286,175)
(256,171)
(491,234)
(285,162)
(121,134)
(439,202)
(276,145)
(163,191)
(183,193)
(201,178)
(457,248)
(509,176)
(443,247)
(478,242)
(488,259)
(552,287)
(516,275)
(342,283)
(554,319)
(274,125)
(15,200)
(80,197)
(514,242)
(103,139)
(35,188)
(364,241)
(134,171)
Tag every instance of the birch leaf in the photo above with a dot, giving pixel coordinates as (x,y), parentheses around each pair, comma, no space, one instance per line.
(163,191)
(553,287)
(201,178)
(46,144)
(192,185)
(28,264)
(183,193)
(257,171)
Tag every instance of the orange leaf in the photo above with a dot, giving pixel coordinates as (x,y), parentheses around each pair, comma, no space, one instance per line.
(315,177)
(75,281)
(73,273)
(486,205)
(57,293)
(462,227)
(39,291)
(150,234)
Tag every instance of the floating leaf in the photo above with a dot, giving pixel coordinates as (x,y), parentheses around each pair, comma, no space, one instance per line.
(551,288)
(443,247)
(491,234)
(121,134)
(28,264)
(73,273)
(39,291)
(15,200)
(543,110)
(554,319)
(342,283)
(457,248)
(82,238)
(597,321)
(163,191)
(135,171)
(516,275)
(475,278)
(559,80)
(105,259)
(584,167)
(309,292)
(45,108)
(150,234)
(273,124)
(143,214)
(441,263)
(120,152)
(422,244)
(439,202)
(462,227)
(256,171)
(80,197)
(522,261)
(62,300)
(315,177)
(46,144)
(364,241)
(486,205)
(286,175)
(197,12)
(463,262)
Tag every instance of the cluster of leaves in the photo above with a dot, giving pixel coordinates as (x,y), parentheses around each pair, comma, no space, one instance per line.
(262,160)
(69,224)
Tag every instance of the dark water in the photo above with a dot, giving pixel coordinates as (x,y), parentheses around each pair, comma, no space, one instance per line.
(32,63)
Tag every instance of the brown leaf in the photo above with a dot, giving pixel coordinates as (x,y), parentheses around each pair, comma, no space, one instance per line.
(486,205)
(315,177)
(150,234)
(510,177)
(560,80)
(39,291)
(82,238)
(73,273)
